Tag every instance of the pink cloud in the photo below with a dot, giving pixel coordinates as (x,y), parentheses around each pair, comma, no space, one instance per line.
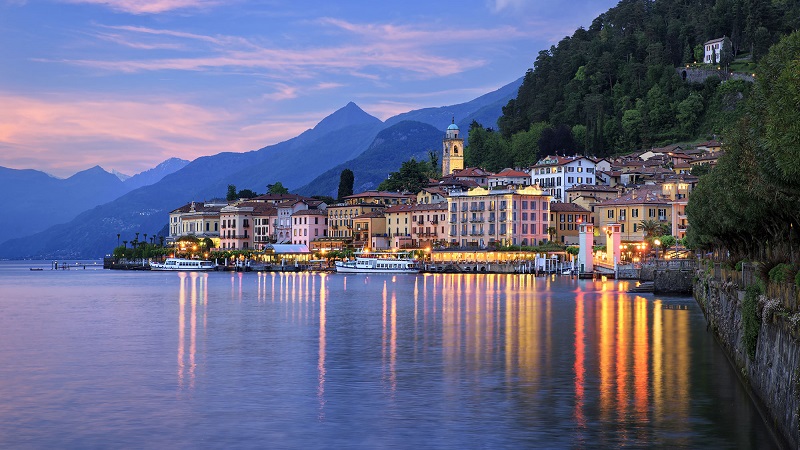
(64,135)
(150,6)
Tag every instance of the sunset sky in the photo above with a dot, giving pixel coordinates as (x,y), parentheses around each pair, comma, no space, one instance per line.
(127,84)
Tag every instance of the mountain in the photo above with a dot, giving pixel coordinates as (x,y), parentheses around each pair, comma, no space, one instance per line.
(391,147)
(37,201)
(485,109)
(43,200)
(120,175)
(300,161)
(146,210)
(155,174)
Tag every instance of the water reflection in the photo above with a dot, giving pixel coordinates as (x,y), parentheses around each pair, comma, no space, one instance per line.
(187,351)
(610,367)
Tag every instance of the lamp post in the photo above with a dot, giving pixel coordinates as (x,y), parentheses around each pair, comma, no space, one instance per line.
(657,243)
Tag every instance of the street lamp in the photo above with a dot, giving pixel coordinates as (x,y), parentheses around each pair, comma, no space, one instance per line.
(657,243)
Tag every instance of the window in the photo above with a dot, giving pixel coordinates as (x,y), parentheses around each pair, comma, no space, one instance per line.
(610,213)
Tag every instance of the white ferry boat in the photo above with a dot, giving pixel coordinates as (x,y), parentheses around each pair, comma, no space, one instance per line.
(186,265)
(366,262)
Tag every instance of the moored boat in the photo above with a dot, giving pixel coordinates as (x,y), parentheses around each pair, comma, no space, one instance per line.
(375,262)
(186,265)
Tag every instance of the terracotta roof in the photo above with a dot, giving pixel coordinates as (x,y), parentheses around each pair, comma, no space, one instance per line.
(642,195)
(198,207)
(310,212)
(592,187)
(379,194)
(555,160)
(510,173)
(278,197)
(471,172)
(567,207)
(399,208)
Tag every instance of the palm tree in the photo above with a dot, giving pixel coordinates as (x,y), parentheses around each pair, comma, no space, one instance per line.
(117,239)
(552,233)
(126,243)
(651,228)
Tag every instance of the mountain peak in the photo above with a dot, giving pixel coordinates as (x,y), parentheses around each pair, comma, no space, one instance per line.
(346,116)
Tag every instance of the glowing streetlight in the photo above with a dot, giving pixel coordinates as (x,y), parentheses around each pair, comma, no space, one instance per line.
(657,243)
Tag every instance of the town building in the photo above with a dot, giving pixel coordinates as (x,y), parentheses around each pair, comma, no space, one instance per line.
(309,225)
(195,219)
(237,222)
(565,219)
(369,230)
(509,177)
(556,174)
(630,209)
(481,217)
(399,222)
(428,225)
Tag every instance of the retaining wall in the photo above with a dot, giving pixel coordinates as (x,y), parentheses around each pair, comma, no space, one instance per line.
(773,375)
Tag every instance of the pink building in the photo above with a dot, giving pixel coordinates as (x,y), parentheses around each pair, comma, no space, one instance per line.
(309,225)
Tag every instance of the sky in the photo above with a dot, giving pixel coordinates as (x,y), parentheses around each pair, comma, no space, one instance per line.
(127,84)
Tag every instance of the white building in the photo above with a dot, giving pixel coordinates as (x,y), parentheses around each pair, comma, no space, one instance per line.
(712,49)
(556,174)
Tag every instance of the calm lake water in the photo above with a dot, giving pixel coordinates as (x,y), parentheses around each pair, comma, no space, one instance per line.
(112,359)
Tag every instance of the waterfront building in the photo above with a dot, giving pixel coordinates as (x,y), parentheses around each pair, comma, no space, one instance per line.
(566,219)
(308,225)
(452,150)
(283,227)
(630,209)
(368,230)
(428,225)
(195,219)
(236,225)
(480,217)
(555,174)
(340,218)
(265,219)
(398,225)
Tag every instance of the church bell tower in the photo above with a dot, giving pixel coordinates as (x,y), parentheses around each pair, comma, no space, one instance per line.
(452,150)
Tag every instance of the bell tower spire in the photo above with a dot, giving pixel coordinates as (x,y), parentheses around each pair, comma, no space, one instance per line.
(452,150)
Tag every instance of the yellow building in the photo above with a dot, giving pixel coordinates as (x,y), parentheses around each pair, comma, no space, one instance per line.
(631,209)
(367,225)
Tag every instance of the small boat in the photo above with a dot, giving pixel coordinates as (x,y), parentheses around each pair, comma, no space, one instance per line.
(185,265)
(378,262)
(36,268)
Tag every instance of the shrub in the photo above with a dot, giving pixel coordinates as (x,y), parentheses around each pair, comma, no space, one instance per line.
(797,279)
(750,322)
(781,273)
(740,264)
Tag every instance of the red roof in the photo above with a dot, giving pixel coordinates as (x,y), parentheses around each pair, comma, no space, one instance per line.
(510,173)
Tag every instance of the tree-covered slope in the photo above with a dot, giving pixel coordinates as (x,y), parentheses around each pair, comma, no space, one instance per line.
(617,87)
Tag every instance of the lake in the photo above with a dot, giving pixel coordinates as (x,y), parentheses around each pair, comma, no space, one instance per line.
(114,359)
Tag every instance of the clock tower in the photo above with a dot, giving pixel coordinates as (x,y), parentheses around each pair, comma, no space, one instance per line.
(452,150)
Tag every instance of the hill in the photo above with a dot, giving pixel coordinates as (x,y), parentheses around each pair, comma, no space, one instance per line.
(391,147)
(615,84)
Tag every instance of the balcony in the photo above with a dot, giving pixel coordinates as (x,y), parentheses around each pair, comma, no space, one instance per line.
(476,220)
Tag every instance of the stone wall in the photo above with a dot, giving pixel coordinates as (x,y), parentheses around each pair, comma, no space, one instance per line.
(773,376)
(672,281)
(699,75)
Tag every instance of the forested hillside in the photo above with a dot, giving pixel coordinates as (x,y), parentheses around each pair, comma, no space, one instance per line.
(614,87)
(748,206)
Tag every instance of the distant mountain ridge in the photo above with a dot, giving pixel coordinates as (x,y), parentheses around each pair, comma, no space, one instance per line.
(348,134)
(41,200)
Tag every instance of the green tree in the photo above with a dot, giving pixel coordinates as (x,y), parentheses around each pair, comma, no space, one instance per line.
(726,53)
(346,181)
(277,188)
(411,177)
(247,193)
(231,193)
(689,111)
